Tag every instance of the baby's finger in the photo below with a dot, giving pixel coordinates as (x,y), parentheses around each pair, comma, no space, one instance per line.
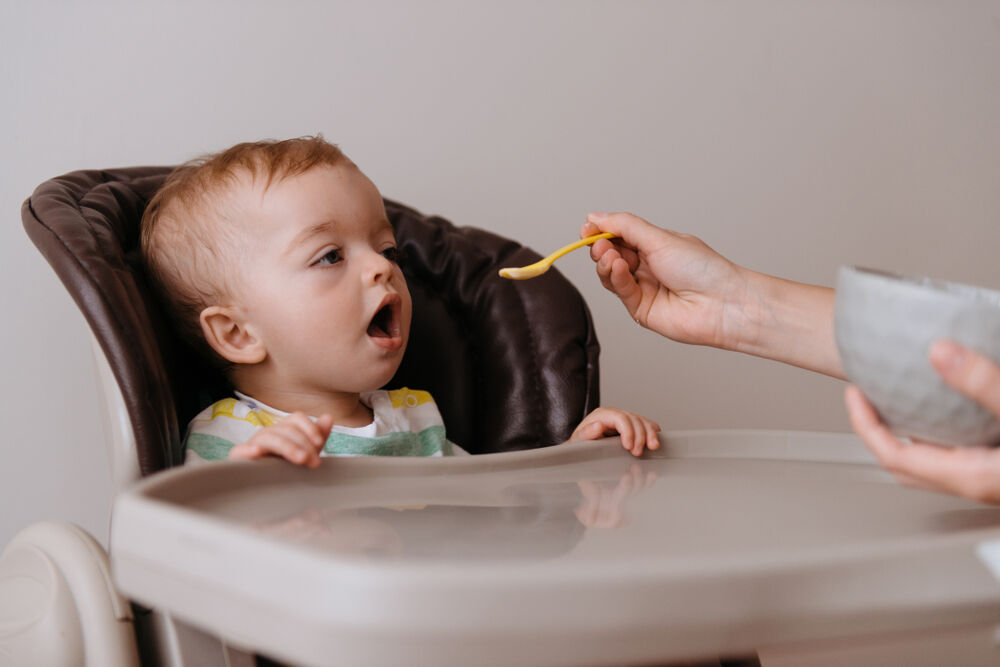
(246,450)
(652,437)
(325,423)
(291,431)
(639,428)
(295,451)
(623,489)
(587,511)
(641,478)
(622,424)
(310,429)
(597,429)
(631,429)
(587,430)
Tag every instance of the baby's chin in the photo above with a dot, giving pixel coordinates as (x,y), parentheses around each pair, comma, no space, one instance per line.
(386,371)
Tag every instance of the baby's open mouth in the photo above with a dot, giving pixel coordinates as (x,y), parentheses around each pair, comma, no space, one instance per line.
(384,326)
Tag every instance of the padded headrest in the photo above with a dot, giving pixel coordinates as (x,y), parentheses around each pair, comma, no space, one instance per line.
(512,365)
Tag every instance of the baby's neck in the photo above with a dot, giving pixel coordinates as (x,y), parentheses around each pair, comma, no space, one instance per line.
(346,408)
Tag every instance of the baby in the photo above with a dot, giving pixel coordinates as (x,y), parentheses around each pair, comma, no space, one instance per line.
(277,260)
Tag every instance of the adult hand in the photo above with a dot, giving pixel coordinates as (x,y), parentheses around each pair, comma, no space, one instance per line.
(971,472)
(671,283)
(676,285)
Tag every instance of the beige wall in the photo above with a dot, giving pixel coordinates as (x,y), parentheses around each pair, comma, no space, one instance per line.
(791,136)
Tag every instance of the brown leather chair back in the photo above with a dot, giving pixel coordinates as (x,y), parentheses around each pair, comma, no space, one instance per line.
(512,365)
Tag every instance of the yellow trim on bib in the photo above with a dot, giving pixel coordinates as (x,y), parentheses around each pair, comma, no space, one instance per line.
(223,408)
(409,398)
(227,406)
(265,418)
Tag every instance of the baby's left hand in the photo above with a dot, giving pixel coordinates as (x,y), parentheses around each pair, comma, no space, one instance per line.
(636,431)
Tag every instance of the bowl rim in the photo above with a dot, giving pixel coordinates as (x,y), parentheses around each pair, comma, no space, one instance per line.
(963,291)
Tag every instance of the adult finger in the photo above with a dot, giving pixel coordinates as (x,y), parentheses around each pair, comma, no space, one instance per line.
(893,454)
(601,246)
(603,264)
(615,265)
(971,373)
(623,284)
(616,249)
(972,472)
(635,231)
(876,435)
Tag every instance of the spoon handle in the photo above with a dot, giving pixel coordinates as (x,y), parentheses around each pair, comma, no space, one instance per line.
(542,265)
(579,244)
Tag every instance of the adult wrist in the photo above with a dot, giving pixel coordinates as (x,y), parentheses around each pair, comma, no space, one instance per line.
(789,322)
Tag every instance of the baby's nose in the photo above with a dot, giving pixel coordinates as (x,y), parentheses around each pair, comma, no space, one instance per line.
(378,268)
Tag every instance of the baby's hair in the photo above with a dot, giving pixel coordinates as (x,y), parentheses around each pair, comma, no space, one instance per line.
(190,232)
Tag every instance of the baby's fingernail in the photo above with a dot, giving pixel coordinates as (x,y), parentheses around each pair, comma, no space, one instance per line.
(596,216)
(947,356)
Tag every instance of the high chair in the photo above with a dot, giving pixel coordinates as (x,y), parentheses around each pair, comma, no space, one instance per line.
(779,548)
(510,366)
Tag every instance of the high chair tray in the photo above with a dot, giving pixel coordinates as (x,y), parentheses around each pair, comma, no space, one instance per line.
(721,542)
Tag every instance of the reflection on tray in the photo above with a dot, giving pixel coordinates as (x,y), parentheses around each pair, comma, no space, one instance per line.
(542,520)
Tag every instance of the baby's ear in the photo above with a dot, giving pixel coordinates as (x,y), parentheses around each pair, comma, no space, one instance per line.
(231,336)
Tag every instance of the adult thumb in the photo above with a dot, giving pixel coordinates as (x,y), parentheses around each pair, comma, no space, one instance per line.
(633,230)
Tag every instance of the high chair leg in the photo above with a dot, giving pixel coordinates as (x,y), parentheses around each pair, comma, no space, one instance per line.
(58,605)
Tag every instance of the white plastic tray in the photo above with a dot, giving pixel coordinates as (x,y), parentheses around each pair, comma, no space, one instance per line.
(720,543)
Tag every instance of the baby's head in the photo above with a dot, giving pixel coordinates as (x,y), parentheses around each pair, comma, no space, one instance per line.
(277,258)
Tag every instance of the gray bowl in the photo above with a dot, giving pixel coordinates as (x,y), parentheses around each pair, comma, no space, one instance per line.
(885,325)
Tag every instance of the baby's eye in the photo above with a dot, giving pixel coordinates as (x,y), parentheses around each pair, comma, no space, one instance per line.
(391,254)
(330,258)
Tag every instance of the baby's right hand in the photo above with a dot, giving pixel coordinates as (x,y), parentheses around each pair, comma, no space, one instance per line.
(296,438)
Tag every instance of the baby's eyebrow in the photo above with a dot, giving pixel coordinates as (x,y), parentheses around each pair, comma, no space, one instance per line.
(306,234)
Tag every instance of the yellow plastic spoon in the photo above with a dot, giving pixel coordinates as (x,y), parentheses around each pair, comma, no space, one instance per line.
(541,266)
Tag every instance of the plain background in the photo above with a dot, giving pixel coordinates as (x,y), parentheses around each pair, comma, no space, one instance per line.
(792,136)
